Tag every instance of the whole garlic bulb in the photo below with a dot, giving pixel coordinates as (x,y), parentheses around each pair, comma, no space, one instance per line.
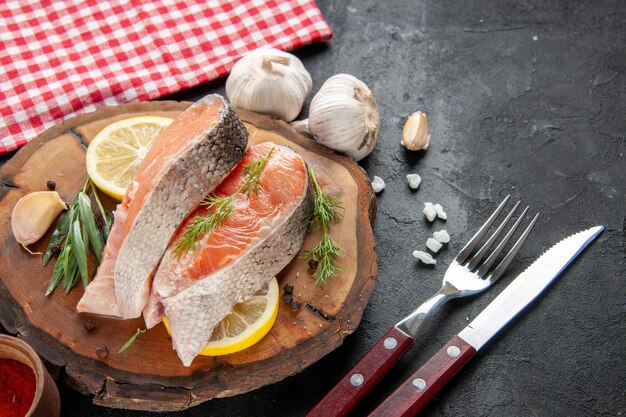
(269,81)
(344,116)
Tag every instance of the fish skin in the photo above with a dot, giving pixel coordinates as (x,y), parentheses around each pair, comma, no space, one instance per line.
(194,312)
(196,172)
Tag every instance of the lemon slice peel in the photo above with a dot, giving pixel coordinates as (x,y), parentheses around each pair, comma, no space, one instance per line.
(115,153)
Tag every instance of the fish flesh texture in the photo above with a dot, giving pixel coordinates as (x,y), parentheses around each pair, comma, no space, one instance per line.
(186,161)
(233,261)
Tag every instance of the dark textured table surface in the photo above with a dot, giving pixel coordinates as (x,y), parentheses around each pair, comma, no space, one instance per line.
(523,98)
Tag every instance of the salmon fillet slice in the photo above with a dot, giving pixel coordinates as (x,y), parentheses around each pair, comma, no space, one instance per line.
(99,296)
(185,162)
(232,262)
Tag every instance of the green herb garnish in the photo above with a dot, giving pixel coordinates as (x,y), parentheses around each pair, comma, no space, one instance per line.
(326,211)
(131,340)
(222,208)
(75,233)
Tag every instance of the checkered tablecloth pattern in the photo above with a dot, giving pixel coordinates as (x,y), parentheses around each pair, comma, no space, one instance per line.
(59,58)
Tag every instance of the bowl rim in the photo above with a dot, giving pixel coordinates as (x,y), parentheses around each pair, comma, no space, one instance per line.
(19,350)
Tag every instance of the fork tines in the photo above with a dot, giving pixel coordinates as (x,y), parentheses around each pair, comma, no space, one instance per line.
(475,260)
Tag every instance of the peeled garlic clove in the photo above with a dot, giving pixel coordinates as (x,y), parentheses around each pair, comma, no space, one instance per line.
(269,81)
(415,134)
(344,116)
(33,214)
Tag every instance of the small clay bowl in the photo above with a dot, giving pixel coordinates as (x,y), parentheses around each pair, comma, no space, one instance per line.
(46,402)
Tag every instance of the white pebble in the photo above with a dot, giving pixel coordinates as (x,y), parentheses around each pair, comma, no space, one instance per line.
(414,180)
(442,236)
(378,184)
(440,213)
(424,257)
(433,245)
(429,211)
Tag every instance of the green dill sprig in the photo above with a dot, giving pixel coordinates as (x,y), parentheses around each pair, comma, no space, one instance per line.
(75,233)
(222,208)
(131,340)
(326,211)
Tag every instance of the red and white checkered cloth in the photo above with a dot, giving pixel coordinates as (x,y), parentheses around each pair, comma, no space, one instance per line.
(59,58)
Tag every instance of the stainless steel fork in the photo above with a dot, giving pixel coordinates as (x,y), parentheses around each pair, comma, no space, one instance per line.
(468,274)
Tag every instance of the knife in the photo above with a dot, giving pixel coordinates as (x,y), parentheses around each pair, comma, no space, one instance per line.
(416,391)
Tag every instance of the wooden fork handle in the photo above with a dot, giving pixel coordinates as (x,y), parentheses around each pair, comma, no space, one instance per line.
(416,391)
(364,376)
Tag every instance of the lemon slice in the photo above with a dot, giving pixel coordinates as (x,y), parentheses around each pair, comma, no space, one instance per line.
(245,325)
(117,150)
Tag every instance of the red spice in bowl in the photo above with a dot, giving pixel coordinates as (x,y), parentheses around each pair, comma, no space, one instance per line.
(26,387)
(17,388)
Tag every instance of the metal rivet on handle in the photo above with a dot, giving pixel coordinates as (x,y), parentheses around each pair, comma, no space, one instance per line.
(453,351)
(390,343)
(356,379)
(419,383)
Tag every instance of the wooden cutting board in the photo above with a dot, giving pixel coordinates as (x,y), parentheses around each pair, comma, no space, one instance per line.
(149,375)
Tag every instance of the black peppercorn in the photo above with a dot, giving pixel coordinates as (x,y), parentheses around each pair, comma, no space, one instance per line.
(295,305)
(102,352)
(89,325)
(288,289)
(287,298)
(51,185)
(313,263)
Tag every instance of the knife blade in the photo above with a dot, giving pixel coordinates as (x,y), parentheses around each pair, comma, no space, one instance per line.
(418,389)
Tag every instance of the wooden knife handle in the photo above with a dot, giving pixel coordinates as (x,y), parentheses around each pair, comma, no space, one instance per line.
(364,376)
(416,391)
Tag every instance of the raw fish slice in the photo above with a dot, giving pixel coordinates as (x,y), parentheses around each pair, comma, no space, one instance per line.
(187,161)
(99,297)
(234,261)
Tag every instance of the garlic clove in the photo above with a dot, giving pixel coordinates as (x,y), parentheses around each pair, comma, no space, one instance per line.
(33,214)
(415,134)
(269,81)
(344,116)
